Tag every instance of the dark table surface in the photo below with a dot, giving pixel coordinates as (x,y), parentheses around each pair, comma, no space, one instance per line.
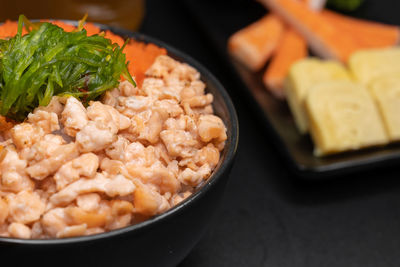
(268,216)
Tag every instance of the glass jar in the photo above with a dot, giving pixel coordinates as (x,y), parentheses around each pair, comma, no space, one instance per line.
(127,14)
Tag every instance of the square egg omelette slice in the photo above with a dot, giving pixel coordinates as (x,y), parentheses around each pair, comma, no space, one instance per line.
(368,65)
(386,92)
(343,116)
(302,76)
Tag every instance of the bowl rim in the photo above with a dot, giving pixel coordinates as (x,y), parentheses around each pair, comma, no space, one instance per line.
(231,146)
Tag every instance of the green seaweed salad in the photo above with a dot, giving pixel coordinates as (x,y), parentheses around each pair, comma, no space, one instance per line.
(49,61)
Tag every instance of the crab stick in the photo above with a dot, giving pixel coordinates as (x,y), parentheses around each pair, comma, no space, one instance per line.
(254,45)
(292,48)
(324,38)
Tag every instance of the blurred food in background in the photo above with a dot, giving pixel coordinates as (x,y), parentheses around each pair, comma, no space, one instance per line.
(127,14)
(346,99)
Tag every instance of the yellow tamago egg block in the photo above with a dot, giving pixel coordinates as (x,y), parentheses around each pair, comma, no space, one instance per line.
(343,116)
(302,76)
(368,65)
(386,92)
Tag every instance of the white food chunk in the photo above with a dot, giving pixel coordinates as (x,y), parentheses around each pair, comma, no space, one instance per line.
(118,185)
(74,116)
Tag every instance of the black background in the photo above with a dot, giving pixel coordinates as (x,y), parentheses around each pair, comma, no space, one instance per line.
(268,216)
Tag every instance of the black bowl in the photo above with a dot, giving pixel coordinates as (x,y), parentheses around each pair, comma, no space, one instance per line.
(161,241)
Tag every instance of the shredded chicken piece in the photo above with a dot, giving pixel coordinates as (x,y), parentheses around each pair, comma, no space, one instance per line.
(48,121)
(153,87)
(111,97)
(208,154)
(73,117)
(199,101)
(121,211)
(107,116)
(116,186)
(88,202)
(54,221)
(85,165)
(79,216)
(117,149)
(25,135)
(50,165)
(3,211)
(132,105)
(25,207)
(147,201)
(13,173)
(157,175)
(71,231)
(211,127)
(19,230)
(112,167)
(42,149)
(136,153)
(94,137)
(54,106)
(179,143)
(194,178)
(178,198)
(37,230)
(127,89)
(147,125)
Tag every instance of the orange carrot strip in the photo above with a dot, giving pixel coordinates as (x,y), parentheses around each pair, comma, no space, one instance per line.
(368,34)
(292,48)
(323,37)
(254,44)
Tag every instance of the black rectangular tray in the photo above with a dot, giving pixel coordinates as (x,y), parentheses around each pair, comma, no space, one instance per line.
(296,148)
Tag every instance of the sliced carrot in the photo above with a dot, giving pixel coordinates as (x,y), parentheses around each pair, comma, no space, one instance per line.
(323,37)
(368,34)
(292,48)
(254,44)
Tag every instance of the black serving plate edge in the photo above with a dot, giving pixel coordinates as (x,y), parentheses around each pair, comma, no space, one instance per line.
(300,170)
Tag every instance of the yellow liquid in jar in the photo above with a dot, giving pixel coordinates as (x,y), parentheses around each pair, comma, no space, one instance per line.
(127,14)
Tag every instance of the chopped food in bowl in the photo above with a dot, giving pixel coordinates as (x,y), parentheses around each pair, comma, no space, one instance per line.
(83,153)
